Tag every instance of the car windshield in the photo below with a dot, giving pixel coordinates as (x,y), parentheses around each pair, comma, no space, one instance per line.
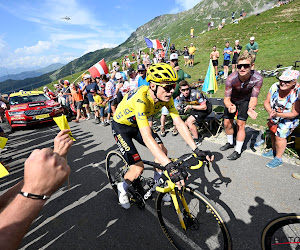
(30,98)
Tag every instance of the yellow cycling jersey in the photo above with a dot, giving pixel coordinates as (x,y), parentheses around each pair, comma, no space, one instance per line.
(137,106)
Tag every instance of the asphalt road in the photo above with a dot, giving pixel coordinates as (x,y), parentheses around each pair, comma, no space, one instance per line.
(88,216)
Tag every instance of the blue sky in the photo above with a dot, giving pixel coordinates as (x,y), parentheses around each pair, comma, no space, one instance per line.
(33,33)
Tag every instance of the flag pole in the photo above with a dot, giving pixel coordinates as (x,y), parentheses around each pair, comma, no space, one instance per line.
(79,76)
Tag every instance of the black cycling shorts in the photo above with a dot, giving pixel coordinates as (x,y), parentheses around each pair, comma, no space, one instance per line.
(200,115)
(242,109)
(85,100)
(123,135)
(226,62)
(215,62)
(234,59)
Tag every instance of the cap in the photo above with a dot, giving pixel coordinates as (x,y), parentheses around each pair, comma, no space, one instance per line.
(174,56)
(92,91)
(115,64)
(237,41)
(252,38)
(102,86)
(45,87)
(56,85)
(289,75)
(87,76)
(130,70)
(66,82)
(118,75)
(185,47)
(141,67)
(192,44)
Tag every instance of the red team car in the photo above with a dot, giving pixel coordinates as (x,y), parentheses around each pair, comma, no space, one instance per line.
(31,107)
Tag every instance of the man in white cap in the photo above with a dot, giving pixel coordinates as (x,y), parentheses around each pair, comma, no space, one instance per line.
(191,55)
(252,47)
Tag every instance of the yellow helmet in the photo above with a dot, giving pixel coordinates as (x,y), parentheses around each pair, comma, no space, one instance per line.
(161,72)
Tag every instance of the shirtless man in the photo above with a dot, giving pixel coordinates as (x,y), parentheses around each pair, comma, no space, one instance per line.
(214,55)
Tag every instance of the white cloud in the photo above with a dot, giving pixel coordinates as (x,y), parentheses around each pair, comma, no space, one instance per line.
(181,5)
(40,47)
(93,46)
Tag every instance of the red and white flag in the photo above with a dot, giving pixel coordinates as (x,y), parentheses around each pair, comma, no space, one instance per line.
(100,68)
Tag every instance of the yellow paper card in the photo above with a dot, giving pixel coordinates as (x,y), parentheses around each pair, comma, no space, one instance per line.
(3,171)
(63,124)
(3,141)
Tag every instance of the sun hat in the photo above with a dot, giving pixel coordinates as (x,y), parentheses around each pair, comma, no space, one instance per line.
(173,56)
(252,38)
(87,76)
(289,75)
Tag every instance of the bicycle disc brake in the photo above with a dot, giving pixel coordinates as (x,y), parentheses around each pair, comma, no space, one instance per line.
(190,222)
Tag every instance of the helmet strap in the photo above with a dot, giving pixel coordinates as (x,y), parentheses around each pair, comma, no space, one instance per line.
(155,92)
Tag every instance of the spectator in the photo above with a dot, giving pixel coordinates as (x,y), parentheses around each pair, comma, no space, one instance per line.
(86,104)
(88,86)
(241,91)
(172,48)
(49,93)
(142,73)
(133,78)
(78,100)
(186,56)
(232,16)
(242,14)
(198,105)
(252,47)
(208,26)
(223,21)
(110,91)
(283,106)
(212,25)
(122,87)
(45,171)
(176,93)
(191,55)
(226,52)
(105,80)
(214,55)
(66,94)
(99,108)
(192,32)
(236,54)
(146,59)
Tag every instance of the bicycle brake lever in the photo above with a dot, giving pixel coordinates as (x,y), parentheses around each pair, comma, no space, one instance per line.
(208,166)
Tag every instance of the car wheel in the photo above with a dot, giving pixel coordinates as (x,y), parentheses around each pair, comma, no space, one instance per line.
(11,129)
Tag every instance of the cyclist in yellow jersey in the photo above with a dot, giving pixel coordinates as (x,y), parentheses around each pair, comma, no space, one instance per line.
(130,121)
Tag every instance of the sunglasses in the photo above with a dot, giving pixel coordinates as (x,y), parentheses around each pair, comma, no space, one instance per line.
(141,71)
(246,66)
(183,90)
(285,82)
(168,88)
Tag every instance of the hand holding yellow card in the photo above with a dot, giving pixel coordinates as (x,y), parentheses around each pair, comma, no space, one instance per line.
(63,124)
(3,141)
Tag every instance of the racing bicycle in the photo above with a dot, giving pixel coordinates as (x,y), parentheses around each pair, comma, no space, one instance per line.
(278,71)
(189,220)
(282,233)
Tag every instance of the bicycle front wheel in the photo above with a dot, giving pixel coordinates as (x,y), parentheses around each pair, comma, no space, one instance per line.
(116,168)
(282,233)
(205,229)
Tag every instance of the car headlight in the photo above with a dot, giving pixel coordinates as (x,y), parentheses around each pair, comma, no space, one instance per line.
(16,113)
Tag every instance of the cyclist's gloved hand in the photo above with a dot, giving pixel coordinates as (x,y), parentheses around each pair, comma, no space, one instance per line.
(174,173)
(202,155)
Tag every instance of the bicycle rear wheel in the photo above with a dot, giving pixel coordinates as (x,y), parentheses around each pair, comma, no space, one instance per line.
(205,230)
(282,233)
(116,168)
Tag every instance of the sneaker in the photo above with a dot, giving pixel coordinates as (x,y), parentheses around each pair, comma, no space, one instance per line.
(274,163)
(198,141)
(102,124)
(296,176)
(162,132)
(167,197)
(106,124)
(235,155)
(226,146)
(123,197)
(270,153)
(97,120)
(88,117)
(174,132)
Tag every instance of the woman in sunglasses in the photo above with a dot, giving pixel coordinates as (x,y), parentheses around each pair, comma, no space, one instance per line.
(241,91)
(130,122)
(283,106)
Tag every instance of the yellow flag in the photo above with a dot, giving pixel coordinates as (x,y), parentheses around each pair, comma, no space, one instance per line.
(3,141)
(63,124)
(3,171)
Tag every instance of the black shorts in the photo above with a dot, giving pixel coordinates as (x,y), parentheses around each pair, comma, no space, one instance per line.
(113,102)
(234,60)
(200,115)
(215,62)
(226,62)
(242,109)
(79,104)
(123,135)
(86,100)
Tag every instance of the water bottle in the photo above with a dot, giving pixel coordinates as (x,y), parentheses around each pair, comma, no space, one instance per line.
(259,143)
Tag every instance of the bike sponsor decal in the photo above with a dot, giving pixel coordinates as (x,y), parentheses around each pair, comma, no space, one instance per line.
(142,116)
(127,111)
(118,116)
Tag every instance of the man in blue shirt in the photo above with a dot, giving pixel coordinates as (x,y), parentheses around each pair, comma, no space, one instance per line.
(88,86)
(142,73)
(226,52)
